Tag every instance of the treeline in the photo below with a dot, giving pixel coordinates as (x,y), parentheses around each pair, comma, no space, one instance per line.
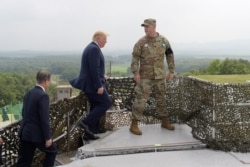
(13,86)
(224,67)
(66,66)
(17,74)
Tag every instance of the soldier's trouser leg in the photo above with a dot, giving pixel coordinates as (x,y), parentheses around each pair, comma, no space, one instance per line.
(142,91)
(161,108)
(160,97)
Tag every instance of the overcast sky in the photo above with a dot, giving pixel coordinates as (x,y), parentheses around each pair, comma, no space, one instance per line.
(69,24)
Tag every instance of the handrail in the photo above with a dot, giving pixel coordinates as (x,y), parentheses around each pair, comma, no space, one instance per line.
(69,130)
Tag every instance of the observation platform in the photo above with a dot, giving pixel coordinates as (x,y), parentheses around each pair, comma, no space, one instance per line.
(155,147)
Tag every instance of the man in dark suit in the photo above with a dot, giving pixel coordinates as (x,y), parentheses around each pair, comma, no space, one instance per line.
(91,81)
(35,129)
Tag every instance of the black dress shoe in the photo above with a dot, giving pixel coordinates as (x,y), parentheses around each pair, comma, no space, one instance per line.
(102,130)
(88,136)
(85,127)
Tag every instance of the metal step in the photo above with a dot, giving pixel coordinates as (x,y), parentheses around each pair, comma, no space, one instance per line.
(154,139)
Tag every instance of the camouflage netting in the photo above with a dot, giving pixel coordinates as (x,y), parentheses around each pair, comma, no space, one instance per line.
(218,114)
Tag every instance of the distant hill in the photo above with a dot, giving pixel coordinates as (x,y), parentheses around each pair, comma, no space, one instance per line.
(30,53)
(225,49)
(235,49)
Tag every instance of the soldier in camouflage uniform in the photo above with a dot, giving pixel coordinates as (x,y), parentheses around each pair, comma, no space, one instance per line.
(149,71)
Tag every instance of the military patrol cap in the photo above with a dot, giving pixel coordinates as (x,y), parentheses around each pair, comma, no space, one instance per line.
(148,22)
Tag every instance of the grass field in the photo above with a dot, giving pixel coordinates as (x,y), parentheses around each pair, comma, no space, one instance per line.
(225,78)
(121,68)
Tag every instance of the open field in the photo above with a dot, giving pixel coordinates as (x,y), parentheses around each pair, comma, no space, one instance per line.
(225,78)
(120,68)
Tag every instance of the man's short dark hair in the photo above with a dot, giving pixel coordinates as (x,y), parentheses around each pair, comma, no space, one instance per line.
(42,76)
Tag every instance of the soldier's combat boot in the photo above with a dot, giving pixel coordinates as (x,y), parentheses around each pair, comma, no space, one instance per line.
(134,127)
(166,124)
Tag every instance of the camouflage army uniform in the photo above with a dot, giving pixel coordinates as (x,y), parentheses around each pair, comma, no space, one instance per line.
(148,61)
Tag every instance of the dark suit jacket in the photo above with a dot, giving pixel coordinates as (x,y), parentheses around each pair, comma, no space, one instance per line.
(35,125)
(92,71)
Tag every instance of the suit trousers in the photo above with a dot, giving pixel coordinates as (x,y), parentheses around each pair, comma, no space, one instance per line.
(27,150)
(99,104)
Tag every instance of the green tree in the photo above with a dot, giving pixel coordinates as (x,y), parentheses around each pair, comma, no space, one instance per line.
(195,72)
(69,74)
(227,67)
(14,86)
(4,114)
(214,67)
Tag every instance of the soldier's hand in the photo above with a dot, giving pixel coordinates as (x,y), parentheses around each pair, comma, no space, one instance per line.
(137,78)
(170,76)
